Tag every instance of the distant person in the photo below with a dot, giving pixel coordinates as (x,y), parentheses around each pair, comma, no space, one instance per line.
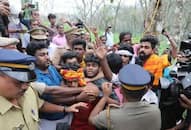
(60,44)
(25,15)
(52,21)
(125,38)
(103,39)
(4,12)
(109,35)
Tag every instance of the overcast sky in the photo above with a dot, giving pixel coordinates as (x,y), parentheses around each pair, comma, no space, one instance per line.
(64,6)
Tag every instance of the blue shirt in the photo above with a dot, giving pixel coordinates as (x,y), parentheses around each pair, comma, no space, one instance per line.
(52,78)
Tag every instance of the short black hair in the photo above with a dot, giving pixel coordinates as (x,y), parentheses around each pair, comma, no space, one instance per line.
(122,35)
(92,58)
(126,47)
(114,62)
(79,42)
(151,39)
(59,24)
(68,55)
(34,46)
(74,67)
(102,36)
(34,10)
(51,16)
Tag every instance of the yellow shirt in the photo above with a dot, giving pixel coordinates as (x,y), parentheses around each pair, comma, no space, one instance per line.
(23,117)
(155,66)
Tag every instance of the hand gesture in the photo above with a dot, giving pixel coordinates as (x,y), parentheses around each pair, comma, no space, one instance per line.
(165,33)
(4,8)
(83,96)
(94,31)
(76,107)
(185,102)
(100,50)
(91,89)
(63,20)
(107,89)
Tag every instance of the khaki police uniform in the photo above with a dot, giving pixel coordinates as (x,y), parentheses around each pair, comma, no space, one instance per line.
(134,114)
(131,116)
(23,117)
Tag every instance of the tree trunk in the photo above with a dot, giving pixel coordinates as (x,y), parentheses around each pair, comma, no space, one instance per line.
(178,23)
(116,14)
(153,22)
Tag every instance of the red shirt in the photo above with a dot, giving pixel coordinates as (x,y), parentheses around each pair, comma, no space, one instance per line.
(80,119)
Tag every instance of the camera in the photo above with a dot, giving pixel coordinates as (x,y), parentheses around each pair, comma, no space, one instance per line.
(178,83)
(79,24)
(181,79)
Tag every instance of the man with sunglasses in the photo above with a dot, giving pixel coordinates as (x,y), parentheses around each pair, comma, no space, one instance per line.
(19,102)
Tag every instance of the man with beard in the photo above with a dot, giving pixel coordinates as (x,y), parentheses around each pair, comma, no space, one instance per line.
(150,61)
(48,74)
(79,46)
(19,102)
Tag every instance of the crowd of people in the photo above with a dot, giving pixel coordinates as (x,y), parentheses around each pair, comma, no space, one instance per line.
(53,79)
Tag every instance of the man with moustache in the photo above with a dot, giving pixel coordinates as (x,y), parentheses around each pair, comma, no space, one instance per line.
(150,61)
(79,46)
(46,73)
(19,102)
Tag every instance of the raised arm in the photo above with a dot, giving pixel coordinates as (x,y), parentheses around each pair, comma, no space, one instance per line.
(101,53)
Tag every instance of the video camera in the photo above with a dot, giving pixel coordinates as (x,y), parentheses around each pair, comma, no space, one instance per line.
(181,79)
(171,88)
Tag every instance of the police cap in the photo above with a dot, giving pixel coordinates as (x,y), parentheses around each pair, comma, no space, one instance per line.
(38,33)
(17,65)
(133,77)
(5,41)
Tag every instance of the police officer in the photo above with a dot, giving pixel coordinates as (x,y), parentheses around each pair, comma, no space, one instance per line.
(19,102)
(8,43)
(134,114)
(38,33)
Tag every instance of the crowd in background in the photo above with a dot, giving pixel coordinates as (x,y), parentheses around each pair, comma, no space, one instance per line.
(79,65)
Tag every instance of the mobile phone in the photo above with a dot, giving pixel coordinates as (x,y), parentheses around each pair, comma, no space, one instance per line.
(32,5)
(163,30)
